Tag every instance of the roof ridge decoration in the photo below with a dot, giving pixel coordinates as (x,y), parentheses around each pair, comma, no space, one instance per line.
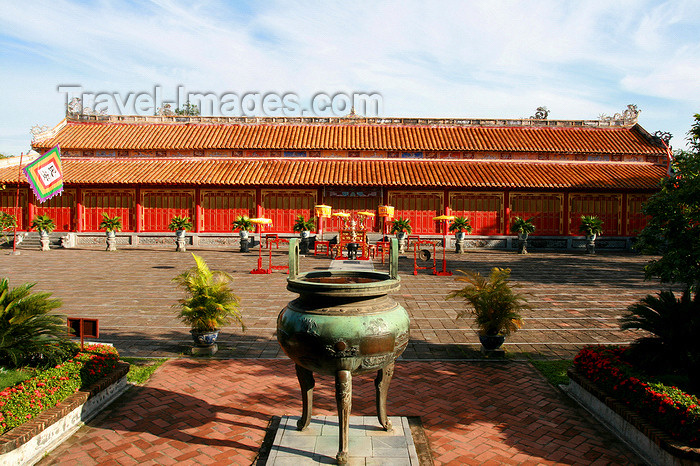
(627,119)
(40,133)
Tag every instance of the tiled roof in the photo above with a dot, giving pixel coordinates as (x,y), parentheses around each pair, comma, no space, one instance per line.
(180,136)
(466,174)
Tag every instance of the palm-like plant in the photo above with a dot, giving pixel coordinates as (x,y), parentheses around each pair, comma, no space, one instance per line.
(401,225)
(110,224)
(492,301)
(180,223)
(243,223)
(460,224)
(522,227)
(302,224)
(674,325)
(591,225)
(27,330)
(43,223)
(211,303)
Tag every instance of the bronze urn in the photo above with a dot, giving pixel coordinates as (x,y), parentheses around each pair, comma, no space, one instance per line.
(343,324)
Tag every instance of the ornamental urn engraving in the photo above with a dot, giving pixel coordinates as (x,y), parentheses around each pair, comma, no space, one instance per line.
(343,324)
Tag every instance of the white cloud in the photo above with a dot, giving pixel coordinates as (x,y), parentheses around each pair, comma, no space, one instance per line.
(492,59)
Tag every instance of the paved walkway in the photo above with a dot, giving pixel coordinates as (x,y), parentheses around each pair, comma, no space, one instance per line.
(576,299)
(217,412)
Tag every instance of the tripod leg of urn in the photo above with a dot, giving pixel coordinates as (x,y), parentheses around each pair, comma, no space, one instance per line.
(343,398)
(306,382)
(381,384)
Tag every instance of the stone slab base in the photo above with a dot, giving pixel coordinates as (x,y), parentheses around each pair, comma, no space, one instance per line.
(318,443)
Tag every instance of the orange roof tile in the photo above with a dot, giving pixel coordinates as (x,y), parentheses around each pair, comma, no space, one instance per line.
(463,174)
(75,135)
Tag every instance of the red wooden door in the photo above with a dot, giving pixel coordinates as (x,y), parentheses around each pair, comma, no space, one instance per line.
(60,208)
(160,206)
(420,208)
(484,211)
(220,208)
(8,199)
(636,220)
(283,207)
(544,209)
(113,202)
(606,207)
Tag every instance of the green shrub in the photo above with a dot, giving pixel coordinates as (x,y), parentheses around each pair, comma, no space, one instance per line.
(28,333)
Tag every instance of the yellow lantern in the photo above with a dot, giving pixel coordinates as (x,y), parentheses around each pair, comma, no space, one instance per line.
(323,211)
(386,211)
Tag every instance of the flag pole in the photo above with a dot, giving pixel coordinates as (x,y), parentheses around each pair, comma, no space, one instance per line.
(19,178)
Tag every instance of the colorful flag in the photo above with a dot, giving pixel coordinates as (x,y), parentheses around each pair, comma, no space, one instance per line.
(45,175)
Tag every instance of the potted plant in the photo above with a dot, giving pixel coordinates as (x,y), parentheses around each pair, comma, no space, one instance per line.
(494,305)
(180,225)
(591,226)
(209,305)
(7,222)
(522,228)
(461,227)
(243,225)
(44,225)
(401,227)
(111,225)
(303,227)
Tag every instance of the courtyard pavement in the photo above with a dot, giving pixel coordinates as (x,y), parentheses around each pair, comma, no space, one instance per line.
(196,411)
(575,299)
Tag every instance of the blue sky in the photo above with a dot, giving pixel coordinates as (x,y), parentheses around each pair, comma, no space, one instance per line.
(495,59)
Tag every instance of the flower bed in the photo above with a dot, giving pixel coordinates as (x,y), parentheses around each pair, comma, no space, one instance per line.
(31,397)
(668,408)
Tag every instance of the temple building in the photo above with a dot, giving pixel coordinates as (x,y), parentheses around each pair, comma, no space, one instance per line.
(147,169)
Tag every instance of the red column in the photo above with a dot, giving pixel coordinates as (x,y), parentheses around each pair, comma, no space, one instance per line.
(30,209)
(79,210)
(139,211)
(566,214)
(506,212)
(258,209)
(623,216)
(198,219)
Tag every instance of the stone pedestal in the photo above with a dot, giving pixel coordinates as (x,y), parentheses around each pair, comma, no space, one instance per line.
(180,245)
(522,244)
(44,240)
(304,246)
(111,243)
(459,246)
(590,244)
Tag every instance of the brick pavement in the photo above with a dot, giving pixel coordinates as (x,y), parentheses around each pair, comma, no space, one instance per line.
(217,411)
(576,299)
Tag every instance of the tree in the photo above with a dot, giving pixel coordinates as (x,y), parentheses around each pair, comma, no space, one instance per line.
(188,109)
(673,230)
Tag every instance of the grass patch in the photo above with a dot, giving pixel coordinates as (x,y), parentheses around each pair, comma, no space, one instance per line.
(554,370)
(10,377)
(142,368)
